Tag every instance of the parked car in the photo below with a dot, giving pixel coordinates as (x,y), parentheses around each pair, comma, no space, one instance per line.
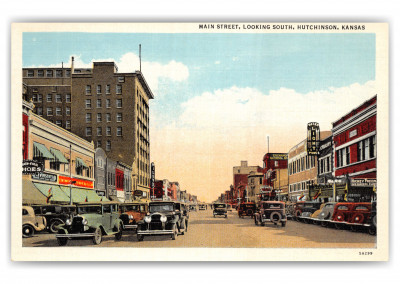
(220,209)
(55,214)
(31,223)
(298,209)
(192,208)
(202,207)
(372,219)
(93,220)
(273,211)
(131,213)
(309,207)
(324,215)
(164,218)
(361,216)
(246,209)
(342,214)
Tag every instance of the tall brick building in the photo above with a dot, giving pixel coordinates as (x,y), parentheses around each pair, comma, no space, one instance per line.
(100,105)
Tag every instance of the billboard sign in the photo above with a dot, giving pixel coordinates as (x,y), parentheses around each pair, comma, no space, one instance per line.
(313,138)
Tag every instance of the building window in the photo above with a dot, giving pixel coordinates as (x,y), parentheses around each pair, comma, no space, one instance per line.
(98,144)
(119,131)
(121,79)
(49,98)
(108,145)
(108,89)
(88,117)
(40,73)
(119,117)
(54,89)
(34,98)
(30,73)
(88,103)
(49,111)
(49,73)
(39,111)
(119,103)
(68,98)
(88,89)
(88,131)
(68,124)
(55,166)
(108,103)
(119,89)
(98,89)
(108,117)
(59,123)
(108,131)
(366,149)
(99,117)
(58,111)
(40,98)
(67,73)
(58,98)
(68,111)
(59,73)
(98,103)
(99,132)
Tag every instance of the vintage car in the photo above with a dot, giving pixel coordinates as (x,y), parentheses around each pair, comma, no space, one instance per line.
(93,220)
(324,214)
(273,211)
(192,208)
(342,214)
(298,209)
(246,209)
(31,223)
(202,207)
(353,214)
(55,214)
(131,213)
(220,209)
(290,212)
(361,216)
(164,218)
(372,219)
(309,207)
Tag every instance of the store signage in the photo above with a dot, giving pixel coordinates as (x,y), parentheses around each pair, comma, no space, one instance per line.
(32,167)
(44,176)
(326,145)
(363,182)
(77,182)
(353,133)
(277,156)
(153,175)
(313,139)
(138,193)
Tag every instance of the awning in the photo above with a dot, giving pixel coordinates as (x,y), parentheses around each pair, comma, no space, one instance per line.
(59,157)
(39,150)
(83,195)
(30,194)
(80,163)
(57,195)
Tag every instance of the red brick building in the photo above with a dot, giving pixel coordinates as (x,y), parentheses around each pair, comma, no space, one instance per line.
(354,139)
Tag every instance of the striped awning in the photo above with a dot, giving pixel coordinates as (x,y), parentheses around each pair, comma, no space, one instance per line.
(80,163)
(53,191)
(40,151)
(83,195)
(59,157)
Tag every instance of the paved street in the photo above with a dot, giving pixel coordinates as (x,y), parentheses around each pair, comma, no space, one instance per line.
(206,231)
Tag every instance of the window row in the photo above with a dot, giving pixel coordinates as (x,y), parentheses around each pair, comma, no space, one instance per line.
(99,131)
(49,73)
(302,164)
(99,117)
(325,165)
(88,103)
(49,111)
(99,89)
(366,149)
(38,98)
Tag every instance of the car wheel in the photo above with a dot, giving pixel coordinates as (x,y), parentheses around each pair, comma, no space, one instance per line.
(140,238)
(338,226)
(53,226)
(118,235)
(97,236)
(372,231)
(324,224)
(175,233)
(62,241)
(27,231)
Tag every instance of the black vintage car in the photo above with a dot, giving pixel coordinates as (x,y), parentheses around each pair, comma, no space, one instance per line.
(309,207)
(164,218)
(220,209)
(273,211)
(55,214)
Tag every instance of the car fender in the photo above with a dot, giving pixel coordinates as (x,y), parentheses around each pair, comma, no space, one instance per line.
(117,222)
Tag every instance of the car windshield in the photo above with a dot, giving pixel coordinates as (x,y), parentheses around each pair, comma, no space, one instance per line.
(89,210)
(219,205)
(126,208)
(161,207)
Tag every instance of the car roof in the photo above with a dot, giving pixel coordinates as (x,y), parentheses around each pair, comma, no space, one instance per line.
(97,203)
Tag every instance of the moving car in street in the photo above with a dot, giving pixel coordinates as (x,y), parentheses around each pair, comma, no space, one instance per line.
(246,209)
(31,223)
(131,214)
(220,209)
(93,220)
(273,211)
(164,218)
(55,214)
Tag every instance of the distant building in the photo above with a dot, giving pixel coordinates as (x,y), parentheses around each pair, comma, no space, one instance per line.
(240,180)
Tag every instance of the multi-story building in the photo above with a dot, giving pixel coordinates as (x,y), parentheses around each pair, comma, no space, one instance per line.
(354,138)
(100,105)
(68,163)
(280,183)
(254,185)
(302,169)
(272,161)
(240,180)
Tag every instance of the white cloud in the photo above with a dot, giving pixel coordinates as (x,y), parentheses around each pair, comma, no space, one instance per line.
(217,62)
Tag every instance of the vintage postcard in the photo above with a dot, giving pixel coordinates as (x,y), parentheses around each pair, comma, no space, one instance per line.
(200,141)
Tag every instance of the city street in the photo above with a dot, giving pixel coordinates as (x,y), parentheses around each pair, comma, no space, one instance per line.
(206,231)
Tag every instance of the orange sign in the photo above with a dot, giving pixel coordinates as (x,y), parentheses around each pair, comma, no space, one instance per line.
(75,181)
